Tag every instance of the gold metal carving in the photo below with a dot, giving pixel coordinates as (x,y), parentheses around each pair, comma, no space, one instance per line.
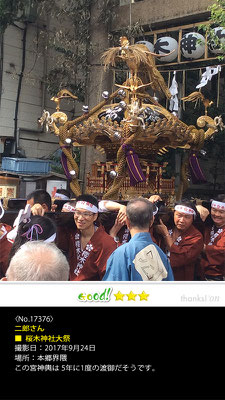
(148,139)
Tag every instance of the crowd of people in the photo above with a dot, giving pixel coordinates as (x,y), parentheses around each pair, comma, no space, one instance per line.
(91,240)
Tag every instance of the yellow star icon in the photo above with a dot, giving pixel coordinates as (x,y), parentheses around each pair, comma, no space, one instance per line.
(119,296)
(143,296)
(131,296)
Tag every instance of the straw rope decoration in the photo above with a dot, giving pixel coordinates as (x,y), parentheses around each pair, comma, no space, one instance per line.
(121,161)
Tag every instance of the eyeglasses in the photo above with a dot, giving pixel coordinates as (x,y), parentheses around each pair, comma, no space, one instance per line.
(85,215)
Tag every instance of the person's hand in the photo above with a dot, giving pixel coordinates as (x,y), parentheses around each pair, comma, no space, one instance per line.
(116,227)
(203,211)
(154,198)
(37,209)
(54,207)
(121,217)
(162,229)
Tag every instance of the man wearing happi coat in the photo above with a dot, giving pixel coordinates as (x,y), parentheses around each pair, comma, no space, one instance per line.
(88,245)
(183,243)
(212,265)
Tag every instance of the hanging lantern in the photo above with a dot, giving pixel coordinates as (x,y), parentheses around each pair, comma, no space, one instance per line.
(214,45)
(166,45)
(149,45)
(192,45)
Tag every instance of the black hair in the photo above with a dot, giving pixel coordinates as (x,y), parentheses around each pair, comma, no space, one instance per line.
(71,202)
(140,216)
(221,197)
(41,196)
(63,191)
(48,229)
(88,198)
(209,221)
(107,219)
(164,213)
(197,221)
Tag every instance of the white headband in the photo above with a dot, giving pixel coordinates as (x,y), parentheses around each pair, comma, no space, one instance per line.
(50,239)
(185,210)
(61,196)
(2,211)
(68,207)
(155,210)
(218,205)
(13,233)
(87,206)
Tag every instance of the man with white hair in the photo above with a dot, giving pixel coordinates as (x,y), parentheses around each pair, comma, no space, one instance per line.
(38,261)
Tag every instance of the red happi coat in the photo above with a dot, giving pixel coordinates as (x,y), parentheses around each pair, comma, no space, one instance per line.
(184,253)
(123,235)
(93,258)
(213,259)
(5,247)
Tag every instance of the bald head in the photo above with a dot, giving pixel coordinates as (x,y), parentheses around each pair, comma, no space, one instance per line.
(140,213)
(38,261)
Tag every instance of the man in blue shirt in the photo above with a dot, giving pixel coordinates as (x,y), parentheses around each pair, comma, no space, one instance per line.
(140,259)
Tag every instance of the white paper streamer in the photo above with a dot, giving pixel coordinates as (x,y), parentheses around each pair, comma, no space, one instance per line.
(207,75)
(174,92)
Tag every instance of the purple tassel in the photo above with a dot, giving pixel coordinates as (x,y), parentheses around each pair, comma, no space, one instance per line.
(197,175)
(134,167)
(36,228)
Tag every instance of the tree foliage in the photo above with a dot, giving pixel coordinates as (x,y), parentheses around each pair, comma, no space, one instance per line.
(64,37)
(11,11)
(217,19)
(218,13)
